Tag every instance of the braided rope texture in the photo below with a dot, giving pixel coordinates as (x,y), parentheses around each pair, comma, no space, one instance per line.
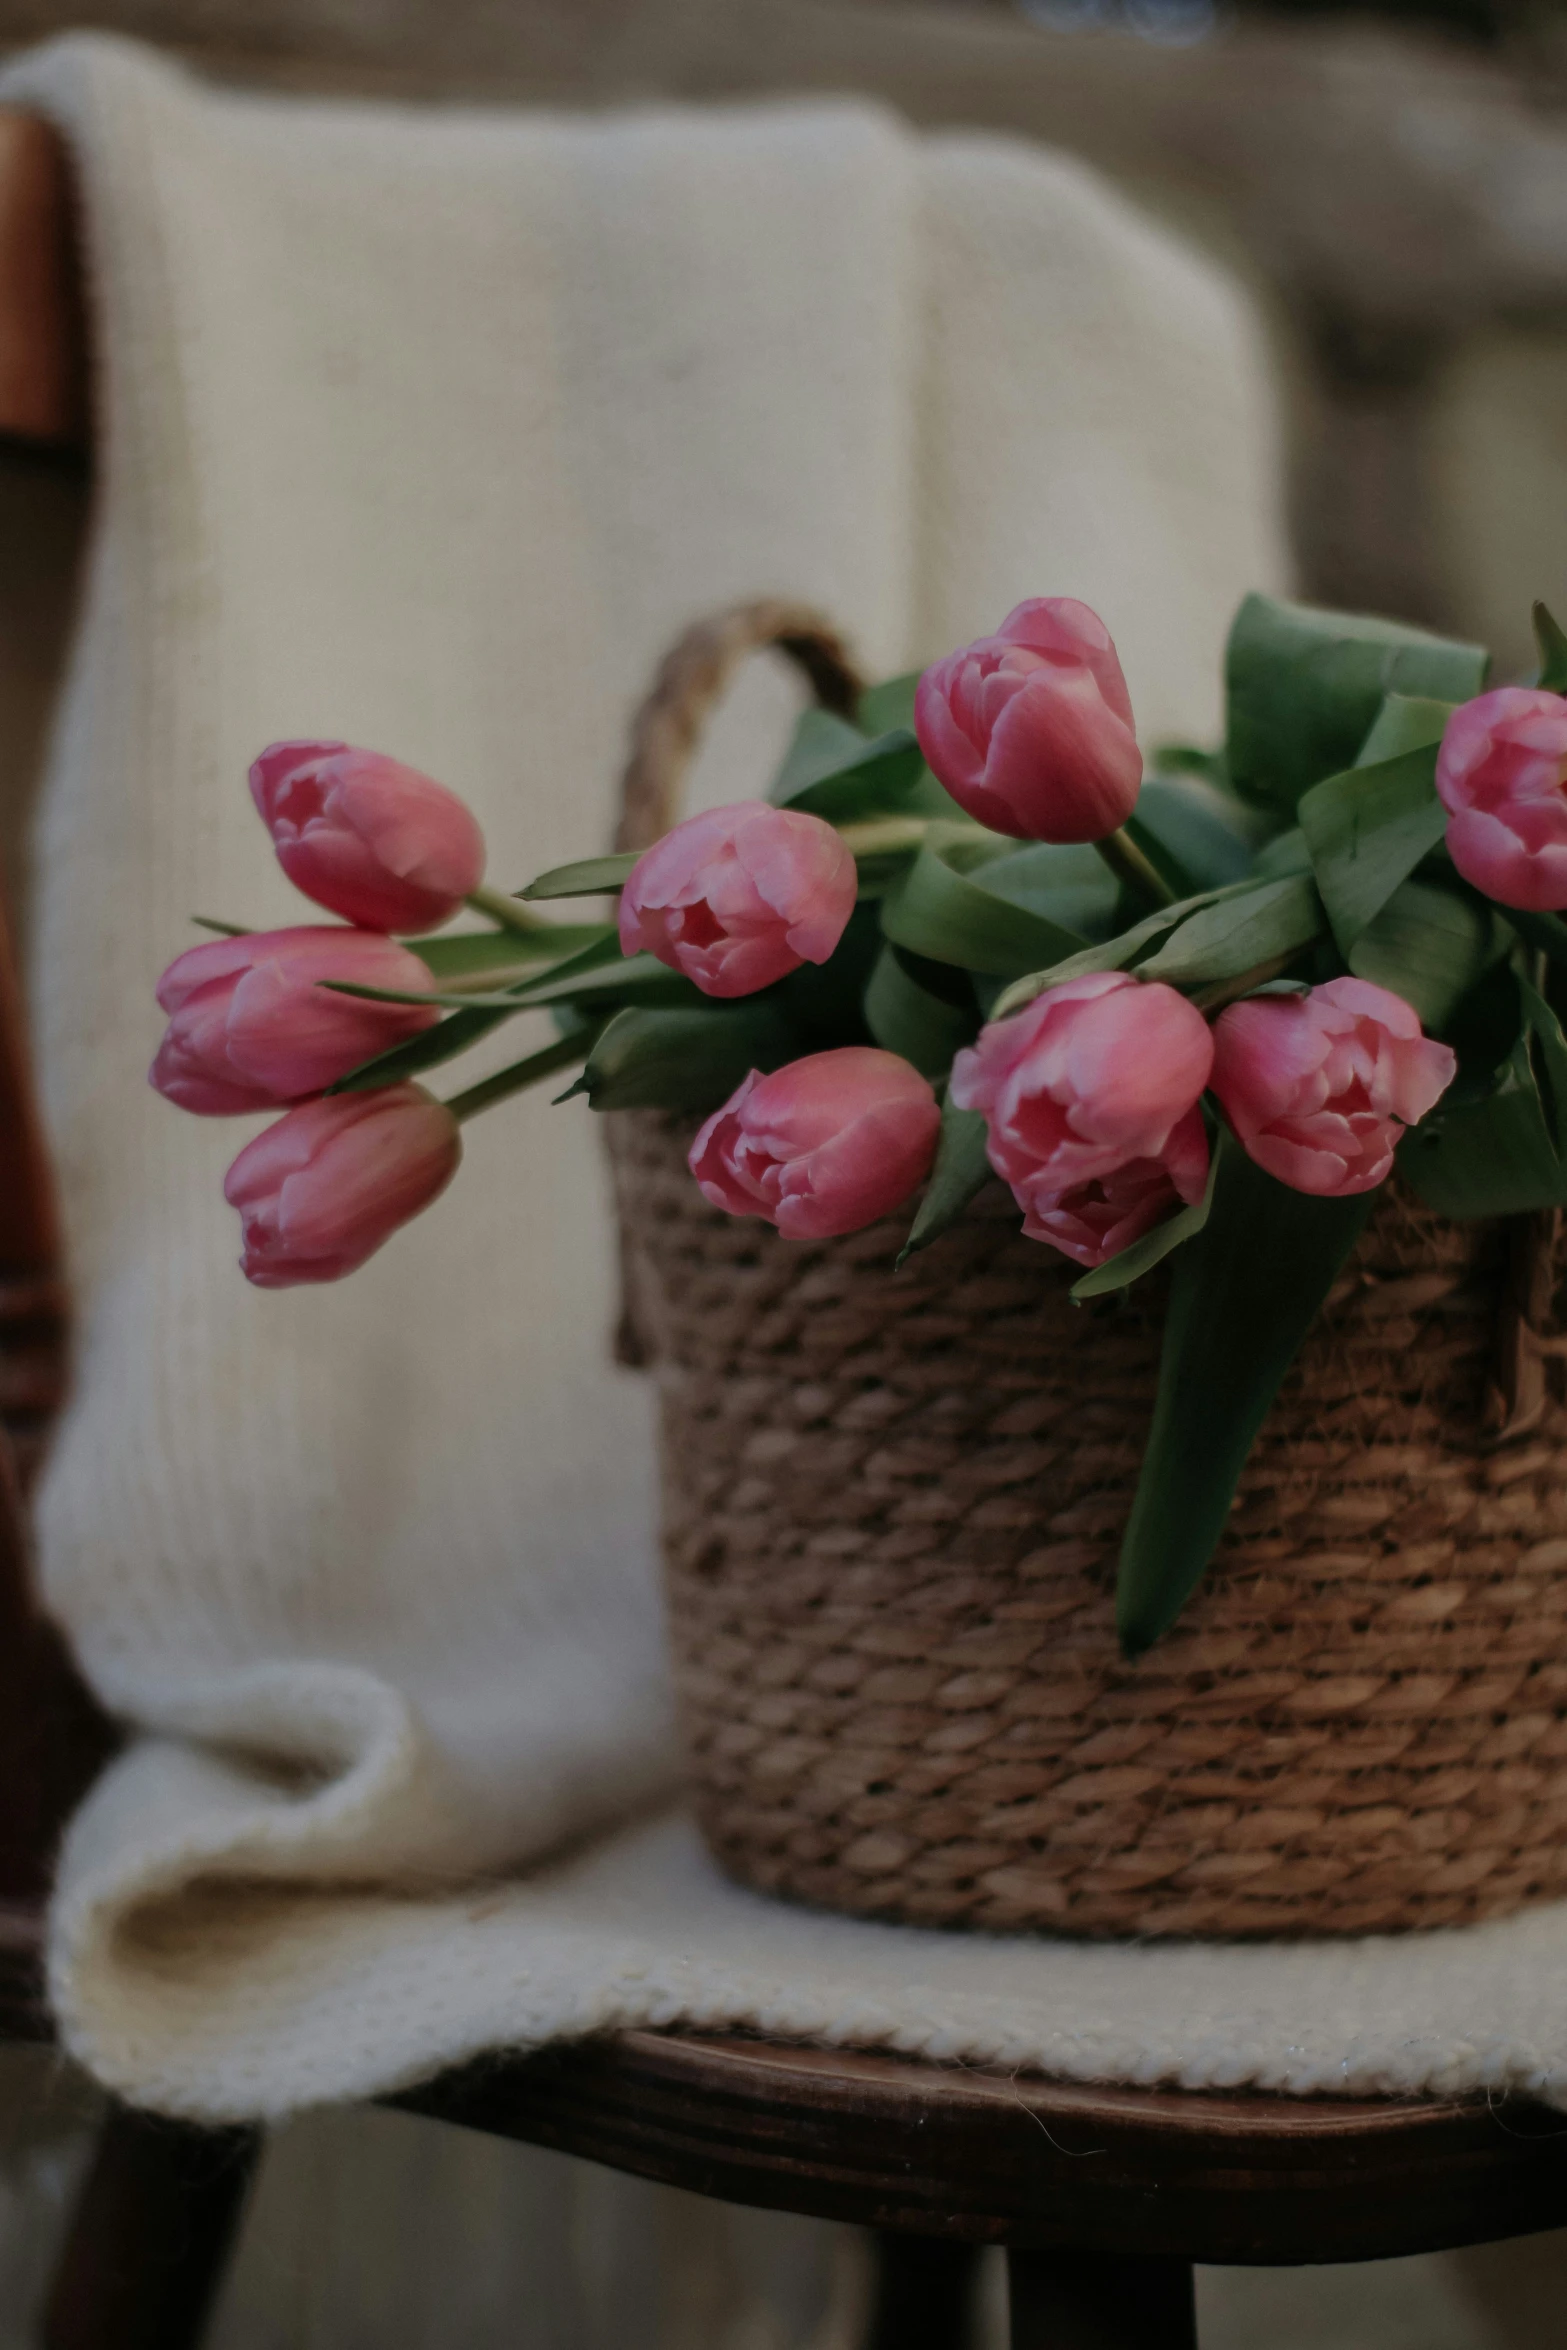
(893,1504)
(692,677)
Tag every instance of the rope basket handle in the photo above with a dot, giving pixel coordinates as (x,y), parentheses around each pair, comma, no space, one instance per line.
(665,733)
(691,679)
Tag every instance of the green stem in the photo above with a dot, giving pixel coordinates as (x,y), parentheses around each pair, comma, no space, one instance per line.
(1127,862)
(506,911)
(504,976)
(519,1075)
(880,836)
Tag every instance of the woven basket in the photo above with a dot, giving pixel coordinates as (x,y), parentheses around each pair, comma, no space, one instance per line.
(893,1504)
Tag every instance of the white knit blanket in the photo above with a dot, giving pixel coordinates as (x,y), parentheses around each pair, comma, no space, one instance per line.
(430,430)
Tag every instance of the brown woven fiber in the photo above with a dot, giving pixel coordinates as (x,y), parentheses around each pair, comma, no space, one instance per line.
(893,1504)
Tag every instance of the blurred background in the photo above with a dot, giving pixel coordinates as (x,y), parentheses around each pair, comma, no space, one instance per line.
(1391,182)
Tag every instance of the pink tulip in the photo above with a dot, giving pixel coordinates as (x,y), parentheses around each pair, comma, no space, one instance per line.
(377,842)
(738,897)
(1031,729)
(318,1192)
(251,1028)
(1501,775)
(1320,1087)
(1090,1094)
(823,1146)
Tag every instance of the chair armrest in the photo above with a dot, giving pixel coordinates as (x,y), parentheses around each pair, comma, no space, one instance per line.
(53,1736)
(43,345)
(33,1304)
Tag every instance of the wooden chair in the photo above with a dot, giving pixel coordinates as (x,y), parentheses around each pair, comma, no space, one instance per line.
(1104,2197)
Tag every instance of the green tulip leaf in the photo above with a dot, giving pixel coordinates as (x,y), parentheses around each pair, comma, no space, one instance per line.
(1367,830)
(832,771)
(600,975)
(1553,651)
(1178,880)
(924,1023)
(1482,1032)
(1288,853)
(650,1058)
(444,1042)
(457,954)
(1305,687)
(1177,758)
(1504,1153)
(881,782)
(962,1168)
(1258,925)
(602,952)
(631,979)
(1243,1294)
(1071,886)
(1547,932)
(1142,1256)
(940,907)
(824,1001)
(821,744)
(1195,835)
(1405,722)
(883,707)
(428,996)
(602,948)
(589,877)
(929,799)
(889,704)
(1430,945)
(1115,954)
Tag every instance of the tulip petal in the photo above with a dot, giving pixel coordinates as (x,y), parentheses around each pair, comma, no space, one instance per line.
(738,897)
(822,1146)
(324,1188)
(1064,629)
(1031,730)
(1063,766)
(366,836)
(1319,1088)
(260,1030)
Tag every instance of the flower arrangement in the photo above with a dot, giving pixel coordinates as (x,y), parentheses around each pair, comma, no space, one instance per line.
(1201,1014)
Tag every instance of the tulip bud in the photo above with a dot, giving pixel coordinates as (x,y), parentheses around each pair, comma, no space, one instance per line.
(1501,774)
(321,1190)
(1090,1094)
(1319,1088)
(738,897)
(375,841)
(1030,730)
(252,1028)
(823,1146)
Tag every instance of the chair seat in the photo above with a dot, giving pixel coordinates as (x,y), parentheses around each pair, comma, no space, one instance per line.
(948,2150)
(953,2150)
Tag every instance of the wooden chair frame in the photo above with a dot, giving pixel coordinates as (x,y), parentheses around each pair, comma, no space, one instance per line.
(1104,2197)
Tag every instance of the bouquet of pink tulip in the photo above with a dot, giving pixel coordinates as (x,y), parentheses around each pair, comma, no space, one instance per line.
(1199,1015)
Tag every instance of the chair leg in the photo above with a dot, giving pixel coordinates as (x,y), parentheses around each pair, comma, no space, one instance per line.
(1100,2301)
(924,2286)
(150,2235)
